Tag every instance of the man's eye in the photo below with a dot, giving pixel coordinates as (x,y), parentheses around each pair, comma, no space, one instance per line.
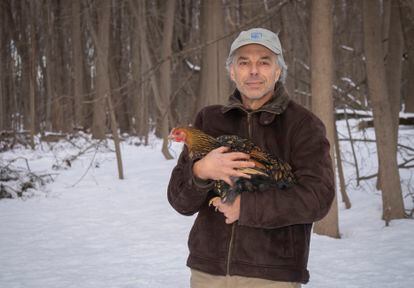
(242,63)
(265,63)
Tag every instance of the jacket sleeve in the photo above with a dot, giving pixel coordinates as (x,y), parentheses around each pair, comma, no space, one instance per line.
(310,198)
(186,193)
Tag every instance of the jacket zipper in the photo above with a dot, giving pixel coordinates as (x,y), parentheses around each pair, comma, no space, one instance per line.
(249,127)
(230,248)
(233,227)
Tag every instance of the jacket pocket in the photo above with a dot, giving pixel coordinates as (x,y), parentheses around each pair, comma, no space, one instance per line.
(209,236)
(264,247)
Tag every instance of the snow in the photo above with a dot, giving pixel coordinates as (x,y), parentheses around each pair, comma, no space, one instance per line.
(349,81)
(192,66)
(348,95)
(347,48)
(90,229)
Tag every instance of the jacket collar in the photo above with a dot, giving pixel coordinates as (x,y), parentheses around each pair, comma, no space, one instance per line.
(276,105)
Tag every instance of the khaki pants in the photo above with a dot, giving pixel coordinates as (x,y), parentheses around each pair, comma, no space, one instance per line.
(203,280)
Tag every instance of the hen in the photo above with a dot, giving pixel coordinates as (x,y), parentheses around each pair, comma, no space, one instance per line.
(268,171)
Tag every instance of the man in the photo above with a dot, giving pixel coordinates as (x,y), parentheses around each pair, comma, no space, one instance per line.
(262,239)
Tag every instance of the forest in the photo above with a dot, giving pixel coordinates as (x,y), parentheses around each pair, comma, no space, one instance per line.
(114,69)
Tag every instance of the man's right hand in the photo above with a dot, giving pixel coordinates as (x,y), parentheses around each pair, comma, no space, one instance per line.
(220,165)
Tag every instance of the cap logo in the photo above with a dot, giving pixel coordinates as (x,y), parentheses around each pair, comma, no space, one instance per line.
(255,35)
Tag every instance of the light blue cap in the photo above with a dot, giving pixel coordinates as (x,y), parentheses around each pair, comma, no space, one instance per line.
(259,36)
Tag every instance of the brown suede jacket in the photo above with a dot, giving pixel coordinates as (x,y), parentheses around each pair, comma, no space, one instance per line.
(272,236)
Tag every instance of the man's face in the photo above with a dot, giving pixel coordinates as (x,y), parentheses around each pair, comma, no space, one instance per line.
(255,72)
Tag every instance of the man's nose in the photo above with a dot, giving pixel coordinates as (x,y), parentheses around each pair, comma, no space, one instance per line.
(253,69)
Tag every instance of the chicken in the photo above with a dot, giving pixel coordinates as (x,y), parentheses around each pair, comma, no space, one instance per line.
(268,171)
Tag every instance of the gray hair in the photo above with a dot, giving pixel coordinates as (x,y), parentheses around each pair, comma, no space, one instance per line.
(280,62)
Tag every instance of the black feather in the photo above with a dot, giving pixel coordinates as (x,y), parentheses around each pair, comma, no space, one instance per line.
(274,172)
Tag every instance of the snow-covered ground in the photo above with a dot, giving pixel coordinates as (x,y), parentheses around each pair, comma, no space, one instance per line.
(90,229)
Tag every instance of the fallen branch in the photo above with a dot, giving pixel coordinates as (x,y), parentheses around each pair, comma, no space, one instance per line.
(8,192)
(373,141)
(402,166)
(89,167)
(370,123)
(19,180)
(10,138)
(68,160)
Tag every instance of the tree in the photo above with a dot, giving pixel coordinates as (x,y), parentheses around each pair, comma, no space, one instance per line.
(50,95)
(2,77)
(394,65)
(117,70)
(407,19)
(321,84)
(102,73)
(393,207)
(341,176)
(214,83)
(139,64)
(32,79)
(77,63)
(165,75)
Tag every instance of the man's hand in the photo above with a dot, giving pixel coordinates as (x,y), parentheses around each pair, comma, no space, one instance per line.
(219,165)
(230,211)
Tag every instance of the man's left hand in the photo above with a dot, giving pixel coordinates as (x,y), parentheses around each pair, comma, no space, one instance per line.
(230,211)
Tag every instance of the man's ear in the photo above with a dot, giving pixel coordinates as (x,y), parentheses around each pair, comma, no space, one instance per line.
(232,72)
(278,73)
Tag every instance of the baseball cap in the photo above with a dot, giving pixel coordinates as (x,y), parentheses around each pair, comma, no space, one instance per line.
(259,36)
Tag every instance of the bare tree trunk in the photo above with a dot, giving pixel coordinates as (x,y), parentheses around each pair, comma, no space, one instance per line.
(54,104)
(116,69)
(407,18)
(103,92)
(392,52)
(19,84)
(7,71)
(60,76)
(23,102)
(32,80)
(146,58)
(12,91)
(409,91)
(114,128)
(301,51)
(393,207)
(3,46)
(77,63)
(322,103)
(386,8)
(126,104)
(64,63)
(89,39)
(138,66)
(351,141)
(394,66)
(287,23)
(47,10)
(102,77)
(341,175)
(165,75)
(349,63)
(214,83)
